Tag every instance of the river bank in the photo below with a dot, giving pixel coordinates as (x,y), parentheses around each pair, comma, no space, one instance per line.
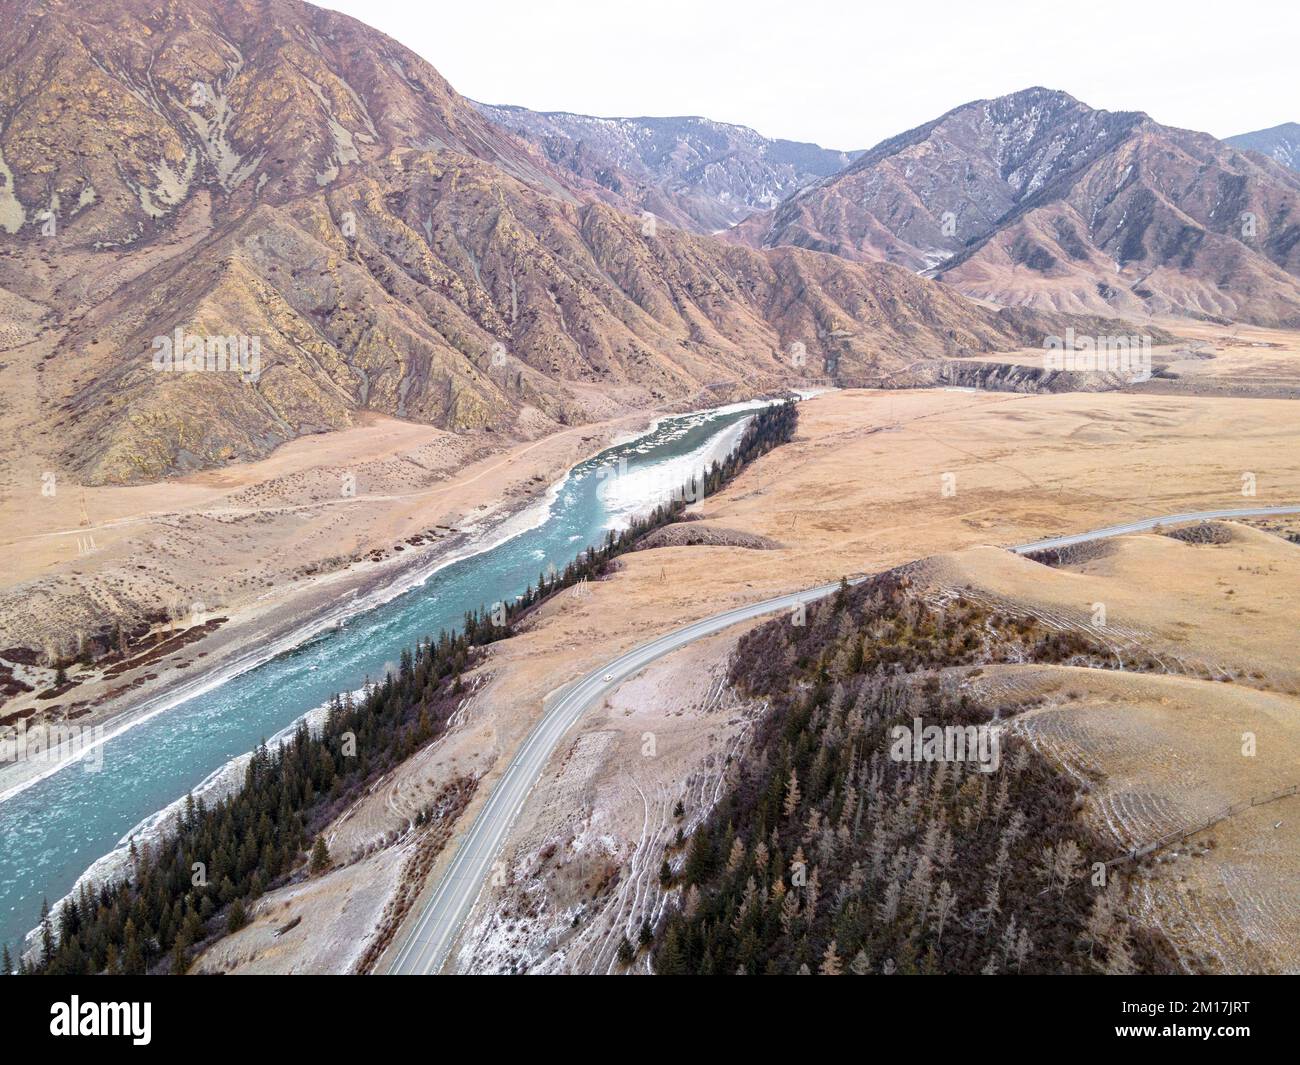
(487,501)
(160,756)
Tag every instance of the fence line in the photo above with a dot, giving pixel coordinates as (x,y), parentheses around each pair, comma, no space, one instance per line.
(1181,834)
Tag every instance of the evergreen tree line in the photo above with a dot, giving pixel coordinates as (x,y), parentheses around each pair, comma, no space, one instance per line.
(829,856)
(769,427)
(200,880)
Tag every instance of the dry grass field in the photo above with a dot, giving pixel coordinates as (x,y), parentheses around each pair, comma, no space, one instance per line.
(1206,360)
(1216,726)
(861,490)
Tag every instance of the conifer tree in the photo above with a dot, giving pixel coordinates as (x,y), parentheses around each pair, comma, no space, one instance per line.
(791,794)
(320,856)
(625,953)
(830,965)
(47,934)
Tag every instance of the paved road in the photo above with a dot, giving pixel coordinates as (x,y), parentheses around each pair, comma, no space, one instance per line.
(428,940)
(1151,523)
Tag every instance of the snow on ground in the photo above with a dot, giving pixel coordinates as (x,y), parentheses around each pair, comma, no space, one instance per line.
(583,861)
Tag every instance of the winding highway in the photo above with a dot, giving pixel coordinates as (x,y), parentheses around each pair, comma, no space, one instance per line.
(1150,523)
(426,940)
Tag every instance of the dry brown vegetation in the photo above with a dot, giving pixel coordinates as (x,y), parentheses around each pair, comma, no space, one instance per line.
(1026,467)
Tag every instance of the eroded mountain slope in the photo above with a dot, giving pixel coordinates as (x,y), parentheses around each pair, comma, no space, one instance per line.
(1037,198)
(274,180)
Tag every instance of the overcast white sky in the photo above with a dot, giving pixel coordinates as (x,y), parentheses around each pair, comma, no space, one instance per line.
(847,75)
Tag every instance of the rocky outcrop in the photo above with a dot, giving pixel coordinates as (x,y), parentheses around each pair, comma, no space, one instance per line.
(693,172)
(1037,199)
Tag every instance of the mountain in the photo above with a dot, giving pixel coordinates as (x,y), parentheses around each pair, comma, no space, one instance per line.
(694,172)
(1281,143)
(1038,199)
(120,113)
(274,179)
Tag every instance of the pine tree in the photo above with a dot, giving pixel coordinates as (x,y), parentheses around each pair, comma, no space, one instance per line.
(1119,953)
(180,958)
(1101,920)
(320,856)
(47,934)
(133,963)
(670,959)
(1024,947)
(791,795)
(943,907)
(625,953)
(1068,866)
(789,912)
(831,961)
(1010,936)
(699,862)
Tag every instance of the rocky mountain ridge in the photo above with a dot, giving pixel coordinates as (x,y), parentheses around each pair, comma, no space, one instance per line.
(1279,143)
(694,172)
(1035,198)
(270,178)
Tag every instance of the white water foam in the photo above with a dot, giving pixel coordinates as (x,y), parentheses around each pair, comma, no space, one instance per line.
(636,492)
(263,651)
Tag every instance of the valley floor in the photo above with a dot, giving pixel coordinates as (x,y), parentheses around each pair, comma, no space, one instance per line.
(871,481)
(248,555)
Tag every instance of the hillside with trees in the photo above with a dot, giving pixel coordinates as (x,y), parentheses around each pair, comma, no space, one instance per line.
(830,856)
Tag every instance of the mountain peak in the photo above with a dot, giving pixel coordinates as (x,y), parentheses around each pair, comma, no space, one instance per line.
(1280,143)
(245,100)
(697,173)
(262,175)
(1036,197)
